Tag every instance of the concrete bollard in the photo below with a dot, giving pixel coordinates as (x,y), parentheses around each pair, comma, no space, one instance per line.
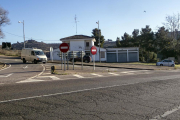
(53,68)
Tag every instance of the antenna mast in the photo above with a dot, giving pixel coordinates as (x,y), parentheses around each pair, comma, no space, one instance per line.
(76,24)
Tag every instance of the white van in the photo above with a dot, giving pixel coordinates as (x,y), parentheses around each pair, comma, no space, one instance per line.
(33,55)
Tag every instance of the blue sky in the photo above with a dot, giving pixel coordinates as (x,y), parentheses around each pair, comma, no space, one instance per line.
(51,20)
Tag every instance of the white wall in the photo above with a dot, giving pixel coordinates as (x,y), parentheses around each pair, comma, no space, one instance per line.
(97,54)
(55,54)
(77,46)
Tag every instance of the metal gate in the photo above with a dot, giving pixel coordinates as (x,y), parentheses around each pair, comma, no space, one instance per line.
(133,57)
(111,57)
(122,57)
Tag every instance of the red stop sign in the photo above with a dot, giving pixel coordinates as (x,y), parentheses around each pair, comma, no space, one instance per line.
(93,50)
(64,47)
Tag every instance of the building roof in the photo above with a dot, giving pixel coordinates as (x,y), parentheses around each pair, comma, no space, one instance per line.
(76,37)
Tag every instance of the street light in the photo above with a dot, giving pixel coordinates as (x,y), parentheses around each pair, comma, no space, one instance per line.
(23,31)
(99,42)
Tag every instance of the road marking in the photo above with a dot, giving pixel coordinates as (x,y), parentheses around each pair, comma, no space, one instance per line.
(39,73)
(129,72)
(6,75)
(6,67)
(29,80)
(25,67)
(96,74)
(52,77)
(77,91)
(166,113)
(79,76)
(112,73)
(46,73)
(55,94)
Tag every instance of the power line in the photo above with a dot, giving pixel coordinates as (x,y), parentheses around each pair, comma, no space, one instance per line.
(28,37)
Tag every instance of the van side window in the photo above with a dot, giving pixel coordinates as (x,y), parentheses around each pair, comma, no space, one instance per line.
(32,52)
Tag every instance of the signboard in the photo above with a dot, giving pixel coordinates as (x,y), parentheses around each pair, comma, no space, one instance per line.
(93,50)
(64,47)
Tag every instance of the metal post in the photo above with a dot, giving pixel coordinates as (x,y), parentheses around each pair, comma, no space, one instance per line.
(99,43)
(61,60)
(94,61)
(73,59)
(23,34)
(67,62)
(81,60)
(64,61)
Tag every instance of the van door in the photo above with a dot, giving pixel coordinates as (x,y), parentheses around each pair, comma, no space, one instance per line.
(32,56)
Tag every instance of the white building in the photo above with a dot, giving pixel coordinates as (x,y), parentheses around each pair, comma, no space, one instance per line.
(84,43)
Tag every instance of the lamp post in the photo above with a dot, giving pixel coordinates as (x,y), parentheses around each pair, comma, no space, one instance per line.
(99,42)
(23,31)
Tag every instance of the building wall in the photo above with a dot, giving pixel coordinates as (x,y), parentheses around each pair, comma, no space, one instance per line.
(130,54)
(77,45)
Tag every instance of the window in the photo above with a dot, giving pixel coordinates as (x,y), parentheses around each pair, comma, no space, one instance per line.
(87,44)
(32,52)
(102,54)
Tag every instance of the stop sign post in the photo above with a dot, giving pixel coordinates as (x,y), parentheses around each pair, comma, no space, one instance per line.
(93,52)
(64,47)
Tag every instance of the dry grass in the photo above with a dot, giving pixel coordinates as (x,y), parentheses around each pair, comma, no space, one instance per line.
(10,52)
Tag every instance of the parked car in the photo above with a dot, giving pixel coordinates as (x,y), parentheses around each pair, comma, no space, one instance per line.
(166,63)
(86,59)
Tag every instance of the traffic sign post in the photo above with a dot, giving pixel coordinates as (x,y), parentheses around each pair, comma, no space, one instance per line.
(93,52)
(64,47)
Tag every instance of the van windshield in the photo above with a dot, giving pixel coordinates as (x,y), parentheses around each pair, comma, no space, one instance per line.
(39,52)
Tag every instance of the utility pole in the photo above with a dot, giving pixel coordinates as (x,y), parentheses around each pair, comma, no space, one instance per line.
(23,31)
(99,42)
(76,24)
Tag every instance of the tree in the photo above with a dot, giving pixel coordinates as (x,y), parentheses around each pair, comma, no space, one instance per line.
(126,40)
(118,44)
(135,33)
(96,33)
(3,20)
(147,40)
(173,24)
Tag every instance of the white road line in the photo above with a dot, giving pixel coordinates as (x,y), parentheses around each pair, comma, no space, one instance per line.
(79,76)
(129,72)
(52,77)
(166,113)
(46,73)
(6,76)
(25,67)
(48,69)
(63,93)
(39,73)
(29,80)
(6,67)
(112,73)
(96,74)
(55,94)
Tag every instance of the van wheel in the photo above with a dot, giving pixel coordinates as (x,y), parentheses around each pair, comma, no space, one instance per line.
(161,64)
(24,61)
(35,61)
(86,61)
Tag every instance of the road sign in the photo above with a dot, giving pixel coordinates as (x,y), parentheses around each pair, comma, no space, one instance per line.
(64,47)
(93,50)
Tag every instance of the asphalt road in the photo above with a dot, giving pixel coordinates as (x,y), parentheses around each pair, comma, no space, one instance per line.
(28,92)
